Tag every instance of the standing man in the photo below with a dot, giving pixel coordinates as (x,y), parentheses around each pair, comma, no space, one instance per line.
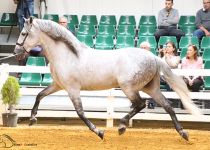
(168,19)
(25,9)
(202,20)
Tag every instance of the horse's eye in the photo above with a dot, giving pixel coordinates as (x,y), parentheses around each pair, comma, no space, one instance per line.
(23,34)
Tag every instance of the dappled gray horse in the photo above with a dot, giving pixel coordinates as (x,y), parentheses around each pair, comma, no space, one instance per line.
(75,67)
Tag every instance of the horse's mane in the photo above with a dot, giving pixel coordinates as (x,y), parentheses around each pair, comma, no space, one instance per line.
(57,32)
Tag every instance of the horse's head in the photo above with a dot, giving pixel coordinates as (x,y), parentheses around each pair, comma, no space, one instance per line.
(28,37)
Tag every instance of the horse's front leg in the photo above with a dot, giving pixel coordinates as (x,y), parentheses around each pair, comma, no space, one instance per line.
(48,90)
(75,97)
(138,104)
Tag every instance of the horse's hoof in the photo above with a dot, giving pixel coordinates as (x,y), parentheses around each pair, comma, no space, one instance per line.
(121,129)
(185,135)
(101,134)
(32,121)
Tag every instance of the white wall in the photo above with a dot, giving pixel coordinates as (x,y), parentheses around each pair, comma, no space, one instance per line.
(116,7)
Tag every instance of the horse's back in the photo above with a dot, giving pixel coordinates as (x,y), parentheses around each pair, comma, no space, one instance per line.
(128,66)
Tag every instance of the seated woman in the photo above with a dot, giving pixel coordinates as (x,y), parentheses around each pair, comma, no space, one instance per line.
(192,61)
(170,56)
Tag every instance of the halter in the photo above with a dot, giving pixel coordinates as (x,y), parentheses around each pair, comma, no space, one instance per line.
(21,44)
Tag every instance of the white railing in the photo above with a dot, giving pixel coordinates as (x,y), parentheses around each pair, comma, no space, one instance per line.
(108,98)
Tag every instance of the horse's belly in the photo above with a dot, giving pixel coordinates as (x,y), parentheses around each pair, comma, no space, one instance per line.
(100,84)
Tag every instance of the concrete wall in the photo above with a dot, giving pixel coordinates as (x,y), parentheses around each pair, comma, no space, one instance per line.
(116,7)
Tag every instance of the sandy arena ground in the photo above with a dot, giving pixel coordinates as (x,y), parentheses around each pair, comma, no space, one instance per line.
(72,134)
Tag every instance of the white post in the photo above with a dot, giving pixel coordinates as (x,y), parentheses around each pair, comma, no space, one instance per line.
(3,77)
(110,111)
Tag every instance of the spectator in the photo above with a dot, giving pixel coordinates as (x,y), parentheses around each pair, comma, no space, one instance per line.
(202,20)
(145,45)
(169,55)
(168,19)
(192,61)
(64,22)
(25,9)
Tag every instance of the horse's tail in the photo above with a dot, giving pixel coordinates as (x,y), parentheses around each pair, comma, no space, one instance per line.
(179,86)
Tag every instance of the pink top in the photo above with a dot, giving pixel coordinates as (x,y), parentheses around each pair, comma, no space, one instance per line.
(186,64)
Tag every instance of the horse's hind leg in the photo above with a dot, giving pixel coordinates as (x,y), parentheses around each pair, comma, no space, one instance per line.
(47,91)
(75,98)
(137,103)
(153,90)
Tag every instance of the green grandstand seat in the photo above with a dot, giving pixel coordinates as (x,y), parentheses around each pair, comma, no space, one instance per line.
(36,61)
(150,39)
(36,15)
(127,30)
(125,41)
(9,20)
(106,30)
(186,21)
(127,20)
(147,20)
(72,19)
(40,61)
(207,78)
(89,20)
(104,42)
(188,30)
(87,39)
(164,39)
(205,42)
(185,41)
(207,83)
(153,50)
(108,20)
(53,17)
(31,61)
(207,64)
(206,54)
(30,79)
(71,27)
(183,52)
(145,30)
(47,79)
(86,30)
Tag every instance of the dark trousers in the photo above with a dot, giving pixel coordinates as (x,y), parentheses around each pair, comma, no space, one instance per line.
(169,31)
(197,83)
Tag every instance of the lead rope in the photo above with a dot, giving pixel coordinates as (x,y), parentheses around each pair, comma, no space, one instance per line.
(10,56)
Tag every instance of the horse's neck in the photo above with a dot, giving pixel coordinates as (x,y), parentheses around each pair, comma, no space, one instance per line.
(54,49)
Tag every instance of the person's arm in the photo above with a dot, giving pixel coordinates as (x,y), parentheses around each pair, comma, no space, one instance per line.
(173,18)
(198,23)
(161,18)
(173,63)
(207,33)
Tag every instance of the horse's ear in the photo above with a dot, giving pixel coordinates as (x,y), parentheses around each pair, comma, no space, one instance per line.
(31,20)
(24,19)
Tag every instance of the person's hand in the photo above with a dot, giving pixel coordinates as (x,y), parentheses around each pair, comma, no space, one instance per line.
(20,56)
(190,82)
(207,33)
(167,55)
